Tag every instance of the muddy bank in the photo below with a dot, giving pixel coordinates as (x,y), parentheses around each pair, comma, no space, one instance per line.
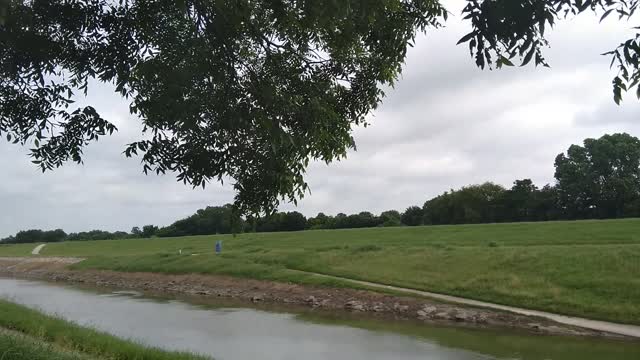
(257,291)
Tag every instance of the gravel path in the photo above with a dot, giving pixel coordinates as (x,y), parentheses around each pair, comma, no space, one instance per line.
(36,250)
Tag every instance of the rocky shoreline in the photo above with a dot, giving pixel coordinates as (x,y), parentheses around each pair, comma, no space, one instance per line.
(267,292)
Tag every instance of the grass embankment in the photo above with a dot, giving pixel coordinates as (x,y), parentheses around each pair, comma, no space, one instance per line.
(582,268)
(16,249)
(28,334)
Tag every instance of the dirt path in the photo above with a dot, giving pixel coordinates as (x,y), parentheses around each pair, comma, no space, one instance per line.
(615,328)
(36,250)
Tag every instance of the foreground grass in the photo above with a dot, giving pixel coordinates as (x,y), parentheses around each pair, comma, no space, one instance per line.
(582,268)
(19,347)
(46,337)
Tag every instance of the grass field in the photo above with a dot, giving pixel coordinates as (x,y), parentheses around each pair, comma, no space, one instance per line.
(583,268)
(16,249)
(26,334)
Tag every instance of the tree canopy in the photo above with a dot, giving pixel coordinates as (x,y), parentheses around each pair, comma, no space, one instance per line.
(601,178)
(247,90)
(211,220)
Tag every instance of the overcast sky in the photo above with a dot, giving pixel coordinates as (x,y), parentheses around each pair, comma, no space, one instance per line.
(445,125)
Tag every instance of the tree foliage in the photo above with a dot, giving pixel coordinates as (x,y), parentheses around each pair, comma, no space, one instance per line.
(211,220)
(247,90)
(413,216)
(149,231)
(35,236)
(505,31)
(101,235)
(471,204)
(282,221)
(602,178)
(491,203)
(390,218)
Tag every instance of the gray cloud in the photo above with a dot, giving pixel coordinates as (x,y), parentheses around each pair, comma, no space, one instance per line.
(609,113)
(446,124)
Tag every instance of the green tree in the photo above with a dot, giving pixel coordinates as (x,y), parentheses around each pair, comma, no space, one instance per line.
(293,221)
(207,221)
(390,218)
(413,216)
(282,221)
(361,220)
(547,206)
(37,235)
(149,231)
(520,201)
(471,204)
(54,235)
(8,240)
(135,231)
(601,178)
(29,236)
(321,221)
(340,221)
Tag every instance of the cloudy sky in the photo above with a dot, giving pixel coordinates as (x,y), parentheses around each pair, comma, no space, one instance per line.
(445,125)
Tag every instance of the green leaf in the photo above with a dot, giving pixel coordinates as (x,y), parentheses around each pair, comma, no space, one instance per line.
(617,90)
(584,6)
(466,38)
(529,56)
(504,61)
(604,16)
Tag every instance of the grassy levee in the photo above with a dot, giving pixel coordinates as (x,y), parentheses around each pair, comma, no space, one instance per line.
(45,337)
(582,268)
(16,249)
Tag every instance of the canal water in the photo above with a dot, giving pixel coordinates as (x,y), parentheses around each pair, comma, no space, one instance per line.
(232,332)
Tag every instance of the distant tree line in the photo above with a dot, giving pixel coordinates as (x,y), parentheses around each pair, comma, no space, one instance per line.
(211,220)
(35,235)
(600,179)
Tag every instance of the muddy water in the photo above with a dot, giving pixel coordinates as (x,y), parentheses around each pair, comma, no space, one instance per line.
(235,333)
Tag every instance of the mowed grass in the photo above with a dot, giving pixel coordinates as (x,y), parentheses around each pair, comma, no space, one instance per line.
(582,268)
(16,249)
(28,334)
